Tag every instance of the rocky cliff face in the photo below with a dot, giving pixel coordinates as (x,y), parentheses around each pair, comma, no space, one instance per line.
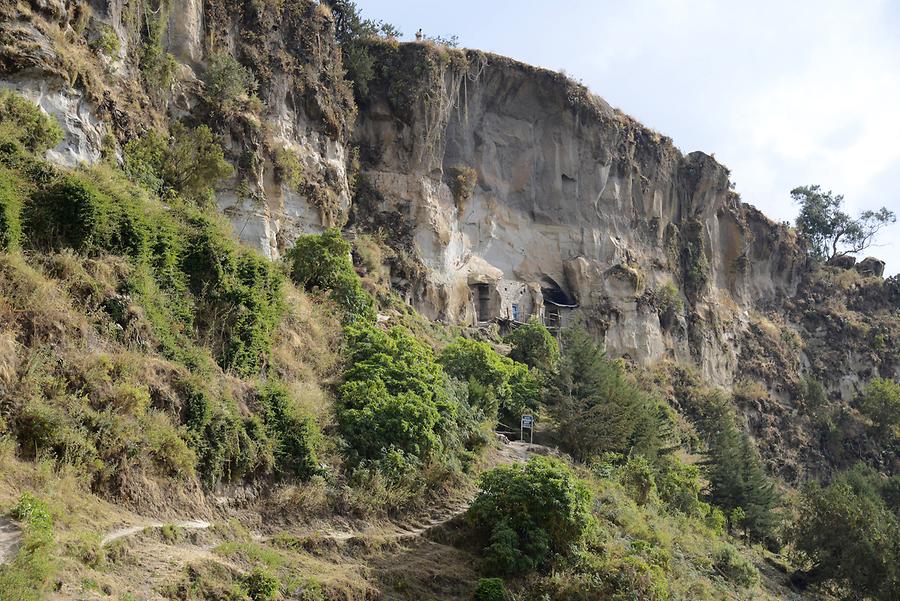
(569,202)
(506,191)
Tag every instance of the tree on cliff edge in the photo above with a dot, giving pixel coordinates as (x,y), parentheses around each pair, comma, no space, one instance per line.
(830,231)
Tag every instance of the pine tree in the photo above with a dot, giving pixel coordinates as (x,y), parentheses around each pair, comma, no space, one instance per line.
(597,408)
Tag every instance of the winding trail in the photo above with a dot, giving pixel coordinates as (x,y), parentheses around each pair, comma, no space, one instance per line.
(132,530)
(10,539)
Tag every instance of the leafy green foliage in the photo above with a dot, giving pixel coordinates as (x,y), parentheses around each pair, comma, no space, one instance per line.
(880,402)
(323,261)
(11,192)
(106,41)
(294,435)
(846,533)
(734,567)
(227,81)
(26,578)
(394,396)
(490,589)
(597,407)
(527,513)
(261,585)
(830,231)
(238,293)
(534,345)
(23,123)
(498,386)
(189,162)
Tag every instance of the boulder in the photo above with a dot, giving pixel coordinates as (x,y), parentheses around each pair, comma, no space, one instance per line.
(870,266)
(842,261)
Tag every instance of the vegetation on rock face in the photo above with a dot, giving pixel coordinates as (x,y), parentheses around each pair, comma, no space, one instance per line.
(323,262)
(830,231)
(27,577)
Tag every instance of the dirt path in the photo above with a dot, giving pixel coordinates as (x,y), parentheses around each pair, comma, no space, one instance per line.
(132,530)
(10,538)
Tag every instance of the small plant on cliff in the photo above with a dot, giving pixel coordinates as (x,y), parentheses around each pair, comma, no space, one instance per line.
(830,231)
(23,123)
(461,180)
(526,513)
(189,162)
(322,261)
(227,81)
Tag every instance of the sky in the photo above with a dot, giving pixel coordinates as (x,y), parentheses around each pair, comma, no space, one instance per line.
(782,93)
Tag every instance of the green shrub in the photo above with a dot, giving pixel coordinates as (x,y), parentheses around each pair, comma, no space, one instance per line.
(534,345)
(238,293)
(22,122)
(261,586)
(637,478)
(880,402)
(227,81)
(189,162)
(679,486)
(323,261)
(734,567)
(394,395)
(289,169)
(106,41)
(293,434)
(526,513)
(11,193)
(76,213)
(498,386)
(27,576)
(845,533)
(490,589)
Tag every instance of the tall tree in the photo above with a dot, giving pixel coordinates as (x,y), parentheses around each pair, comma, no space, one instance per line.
(830,231)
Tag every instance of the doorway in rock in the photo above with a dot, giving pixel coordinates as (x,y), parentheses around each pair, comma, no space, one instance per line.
(481,294)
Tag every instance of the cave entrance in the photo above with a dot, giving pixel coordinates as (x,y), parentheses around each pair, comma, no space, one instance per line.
(481,294)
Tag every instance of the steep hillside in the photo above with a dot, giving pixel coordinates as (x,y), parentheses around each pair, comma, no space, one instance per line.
(269,278)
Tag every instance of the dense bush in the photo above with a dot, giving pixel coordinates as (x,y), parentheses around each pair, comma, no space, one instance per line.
(293,434)
(323,261)
(734,567)
(27,576)
(597,407)
(490,589)
(11,193)
(23,123)
(497,385)
(880,402)
(527,513)
(238,293)
(227,81)
(847,534)
(534,345)
(188,162)
(394,396)
(261,586)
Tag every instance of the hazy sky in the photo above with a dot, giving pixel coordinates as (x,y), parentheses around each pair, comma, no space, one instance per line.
(783,93)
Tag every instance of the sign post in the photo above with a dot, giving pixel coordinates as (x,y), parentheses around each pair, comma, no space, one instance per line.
(527,422)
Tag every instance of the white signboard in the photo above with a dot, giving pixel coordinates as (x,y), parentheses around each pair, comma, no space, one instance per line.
(527,422)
